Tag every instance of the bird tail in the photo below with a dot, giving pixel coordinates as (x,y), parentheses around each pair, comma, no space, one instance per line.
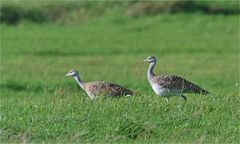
(193,88)
(203,92)
(197,89)
(129,93)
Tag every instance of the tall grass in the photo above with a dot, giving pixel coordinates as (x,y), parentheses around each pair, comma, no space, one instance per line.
(13,12)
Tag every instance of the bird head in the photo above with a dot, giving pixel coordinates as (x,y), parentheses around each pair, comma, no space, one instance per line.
(150,59)
(72,73)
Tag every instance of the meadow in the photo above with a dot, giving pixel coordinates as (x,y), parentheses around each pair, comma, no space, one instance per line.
(40,105)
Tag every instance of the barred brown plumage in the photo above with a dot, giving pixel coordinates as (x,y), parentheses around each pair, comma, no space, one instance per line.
(106,88)
(170,85)
(176,82)
(100,88)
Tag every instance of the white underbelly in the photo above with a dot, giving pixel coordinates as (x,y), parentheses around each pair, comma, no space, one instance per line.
(159,90)
(90,95)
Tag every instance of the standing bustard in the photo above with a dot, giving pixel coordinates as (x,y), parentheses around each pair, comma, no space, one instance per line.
(100,88)
(170,85)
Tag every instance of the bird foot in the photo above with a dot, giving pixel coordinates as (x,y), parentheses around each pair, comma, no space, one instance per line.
(166,99)
(184,97)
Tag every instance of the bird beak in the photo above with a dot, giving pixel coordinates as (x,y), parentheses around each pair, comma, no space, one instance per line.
(144,61)
(68,74)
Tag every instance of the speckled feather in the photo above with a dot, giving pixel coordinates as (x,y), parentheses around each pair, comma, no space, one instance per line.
(102,88)
(178,83)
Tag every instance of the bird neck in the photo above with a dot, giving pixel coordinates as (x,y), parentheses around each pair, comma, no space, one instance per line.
(79,81)
(150,70)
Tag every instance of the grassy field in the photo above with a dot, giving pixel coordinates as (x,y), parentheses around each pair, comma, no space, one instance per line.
(39,104)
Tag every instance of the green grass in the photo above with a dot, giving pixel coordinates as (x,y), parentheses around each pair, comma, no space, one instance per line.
(39,104)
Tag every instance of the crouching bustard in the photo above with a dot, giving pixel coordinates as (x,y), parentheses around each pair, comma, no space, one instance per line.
(100,88)
(170,85)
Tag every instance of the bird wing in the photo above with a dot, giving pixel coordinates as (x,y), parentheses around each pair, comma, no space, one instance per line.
(107,89)
(176,82)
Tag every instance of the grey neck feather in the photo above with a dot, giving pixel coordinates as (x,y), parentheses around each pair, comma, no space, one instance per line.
(79,81)
(150,70)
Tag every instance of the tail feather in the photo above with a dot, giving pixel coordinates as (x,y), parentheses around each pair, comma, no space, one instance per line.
(203,92)
(197,89)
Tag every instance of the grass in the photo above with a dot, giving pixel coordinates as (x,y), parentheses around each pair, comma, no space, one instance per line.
(38,104)
(71,12)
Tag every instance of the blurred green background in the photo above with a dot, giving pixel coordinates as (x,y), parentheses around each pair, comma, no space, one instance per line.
(107,40)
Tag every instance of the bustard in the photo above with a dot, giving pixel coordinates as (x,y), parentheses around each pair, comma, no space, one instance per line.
(100,88)
(170,85)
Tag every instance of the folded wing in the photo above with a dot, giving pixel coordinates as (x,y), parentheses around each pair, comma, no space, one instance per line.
(179,83)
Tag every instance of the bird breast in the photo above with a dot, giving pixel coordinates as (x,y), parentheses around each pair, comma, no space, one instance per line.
(161,91)
(158,89)
(90,94)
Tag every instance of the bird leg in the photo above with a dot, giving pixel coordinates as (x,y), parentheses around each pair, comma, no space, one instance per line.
(184,97)
(166,99)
